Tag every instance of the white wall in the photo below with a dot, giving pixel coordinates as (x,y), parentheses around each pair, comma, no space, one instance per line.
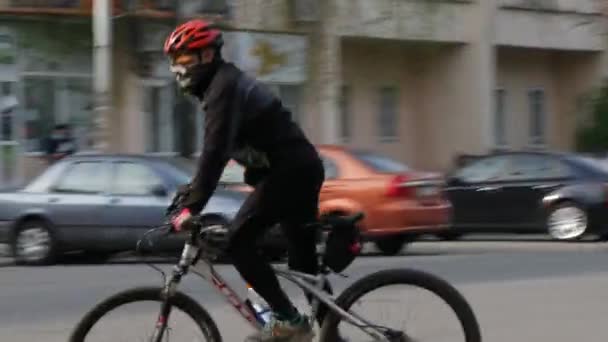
(550,30)
(404,20)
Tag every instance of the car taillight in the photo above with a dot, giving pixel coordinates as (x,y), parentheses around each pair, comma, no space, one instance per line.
(398,187)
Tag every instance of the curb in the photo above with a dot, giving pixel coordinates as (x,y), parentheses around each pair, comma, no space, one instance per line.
(510,246)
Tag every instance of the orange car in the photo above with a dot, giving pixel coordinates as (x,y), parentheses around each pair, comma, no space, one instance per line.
(399,203)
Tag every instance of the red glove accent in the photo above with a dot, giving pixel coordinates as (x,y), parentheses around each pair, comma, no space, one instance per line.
(178,220)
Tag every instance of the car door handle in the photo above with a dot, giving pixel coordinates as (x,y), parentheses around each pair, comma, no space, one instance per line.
(114,200)
(545,186)
(488,188)
(53,199)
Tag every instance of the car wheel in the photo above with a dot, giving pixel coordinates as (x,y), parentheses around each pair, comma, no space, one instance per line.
(567,221)
(392,245)
(34,244)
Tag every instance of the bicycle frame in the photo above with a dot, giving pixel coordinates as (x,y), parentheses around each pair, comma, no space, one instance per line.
(191,255)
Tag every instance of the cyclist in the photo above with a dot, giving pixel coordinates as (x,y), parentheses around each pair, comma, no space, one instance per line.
(245,121)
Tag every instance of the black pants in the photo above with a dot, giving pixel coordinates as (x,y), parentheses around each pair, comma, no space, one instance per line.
(288,196)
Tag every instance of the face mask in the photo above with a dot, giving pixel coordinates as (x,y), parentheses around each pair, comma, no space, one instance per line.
(194,79)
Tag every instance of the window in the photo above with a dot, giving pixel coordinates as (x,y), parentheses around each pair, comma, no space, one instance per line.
(190,7)
(134,179)
(53,100)
(305,10)
(379,162)
(233,174)
(8,103)
(387,119)
(290,97)
(158,108)
(484,170)
(538,118)
(345,114)
(85,178)
(331,170)
(524,167)
(5,88)
(500,136)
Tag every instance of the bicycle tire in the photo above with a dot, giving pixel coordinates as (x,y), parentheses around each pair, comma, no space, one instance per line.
(444,290)
(180,300)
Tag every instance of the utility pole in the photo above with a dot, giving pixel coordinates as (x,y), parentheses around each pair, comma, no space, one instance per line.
(102,72)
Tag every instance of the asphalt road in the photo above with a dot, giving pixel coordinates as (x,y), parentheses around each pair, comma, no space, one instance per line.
(521,291)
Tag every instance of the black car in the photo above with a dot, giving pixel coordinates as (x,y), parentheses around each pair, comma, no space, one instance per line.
(562,194)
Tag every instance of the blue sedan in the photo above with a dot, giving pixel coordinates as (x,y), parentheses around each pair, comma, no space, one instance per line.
(100,204)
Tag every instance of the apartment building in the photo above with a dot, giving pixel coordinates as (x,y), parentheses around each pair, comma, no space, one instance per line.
(421,81)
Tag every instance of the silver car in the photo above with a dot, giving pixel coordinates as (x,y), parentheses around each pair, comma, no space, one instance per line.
(99,204)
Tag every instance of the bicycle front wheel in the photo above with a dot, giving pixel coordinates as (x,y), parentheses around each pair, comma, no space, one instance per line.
(465,327)
(142,320)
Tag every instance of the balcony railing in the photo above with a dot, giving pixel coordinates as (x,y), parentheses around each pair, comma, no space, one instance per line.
(186,8)
(152,8)
(46,3)
(65,7)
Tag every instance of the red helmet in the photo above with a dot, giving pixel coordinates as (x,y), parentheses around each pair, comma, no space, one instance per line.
(193,35)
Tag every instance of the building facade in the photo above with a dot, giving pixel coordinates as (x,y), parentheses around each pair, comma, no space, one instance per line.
(421,81)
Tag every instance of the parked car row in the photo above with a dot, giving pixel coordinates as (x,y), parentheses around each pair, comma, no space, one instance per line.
(102,204)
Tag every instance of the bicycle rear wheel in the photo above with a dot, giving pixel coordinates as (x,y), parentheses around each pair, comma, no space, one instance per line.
(417,279)
(180,301)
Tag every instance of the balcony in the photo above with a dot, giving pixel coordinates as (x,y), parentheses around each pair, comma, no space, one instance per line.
(45,3)
(145,8)
(186,8)
(51,7)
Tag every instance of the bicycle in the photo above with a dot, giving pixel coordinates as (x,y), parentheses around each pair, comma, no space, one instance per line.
(325,309)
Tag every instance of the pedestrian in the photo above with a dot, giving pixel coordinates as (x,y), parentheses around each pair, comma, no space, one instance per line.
(60,144)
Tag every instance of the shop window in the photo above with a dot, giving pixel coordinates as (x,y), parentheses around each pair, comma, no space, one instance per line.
(345,113)
(290,96)
(388,122)
(158,110)
(500,132)
(538,116)
(56,100)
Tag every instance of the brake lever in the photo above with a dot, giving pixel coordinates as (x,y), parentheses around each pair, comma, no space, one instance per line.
(165,231)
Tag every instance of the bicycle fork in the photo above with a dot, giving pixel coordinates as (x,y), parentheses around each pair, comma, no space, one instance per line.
(189,253)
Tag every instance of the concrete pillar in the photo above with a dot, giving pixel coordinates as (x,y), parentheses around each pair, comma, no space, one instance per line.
(482,58)
(102,71)
(329,79)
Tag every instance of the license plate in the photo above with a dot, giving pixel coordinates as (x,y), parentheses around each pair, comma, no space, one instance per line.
(427,191)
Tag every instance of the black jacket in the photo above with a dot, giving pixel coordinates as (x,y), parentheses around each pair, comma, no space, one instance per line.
(244,121)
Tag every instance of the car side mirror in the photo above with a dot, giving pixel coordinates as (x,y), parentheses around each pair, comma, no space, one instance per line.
(455,180)
(159,191)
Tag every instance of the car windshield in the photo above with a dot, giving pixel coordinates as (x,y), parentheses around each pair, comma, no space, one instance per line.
(379,162)
(600,165)
(183,169)
(233,174)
